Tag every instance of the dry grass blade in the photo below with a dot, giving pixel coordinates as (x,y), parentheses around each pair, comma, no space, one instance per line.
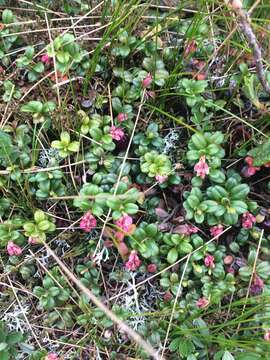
(174,305)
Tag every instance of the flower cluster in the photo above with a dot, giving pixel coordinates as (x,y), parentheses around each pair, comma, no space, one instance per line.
(133,262)
(88,222)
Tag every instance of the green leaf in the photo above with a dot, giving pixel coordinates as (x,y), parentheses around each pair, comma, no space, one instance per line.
(39,216)
(199,218)
(193,201)
(74,146)
(151,230)
(245,272)
(263,270)
(44,225)
(5,146)
(261,154)
(32,107)
(3,346)
(174,344)
(49,106)
(29,227)
(63,57)
(14,338)
(7,16)
(124,51)
(113,203)
(227,356)
(240,191)
(240,206)
(217,176)
(56,144)
(172,256)
(117,105)
(199,141)
(185,347)
(97,210)
(185,247)
(4,355)
(65,138)
(39,67)
(106,139)
(131,208)
(248,356)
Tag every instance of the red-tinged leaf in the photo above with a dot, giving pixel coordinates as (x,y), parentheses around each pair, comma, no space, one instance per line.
(161,213)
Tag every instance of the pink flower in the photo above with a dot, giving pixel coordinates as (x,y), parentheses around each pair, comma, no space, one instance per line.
(257,286)
(117,133)
(133,261)
(122,117)
(248,171)
(13,249)
(45,59)
(88,222)
(202,302)
(248,220)
(51,356)
(215,231)
(152,268)
(201,167)
(161,178)
(209,261)
(124,223)
(147,81)
(267,335)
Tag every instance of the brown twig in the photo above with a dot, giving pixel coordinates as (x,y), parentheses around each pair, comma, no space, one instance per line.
(246,27)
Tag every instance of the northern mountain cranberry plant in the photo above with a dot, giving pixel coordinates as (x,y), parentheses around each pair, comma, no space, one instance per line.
(134,165)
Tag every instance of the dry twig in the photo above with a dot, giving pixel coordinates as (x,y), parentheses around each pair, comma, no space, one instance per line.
(245,24)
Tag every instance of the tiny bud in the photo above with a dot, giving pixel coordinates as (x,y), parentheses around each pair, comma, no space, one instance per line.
(267,335)
(122,117)
(255,234)
(228,260)
(123,249)
(147,81)
(231,270)
(249,160)
(201,76)
(202,303)
(152,268)
(260,218)
(236,4)
(51,356)
(248,171)
(167,296)
(107,334)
